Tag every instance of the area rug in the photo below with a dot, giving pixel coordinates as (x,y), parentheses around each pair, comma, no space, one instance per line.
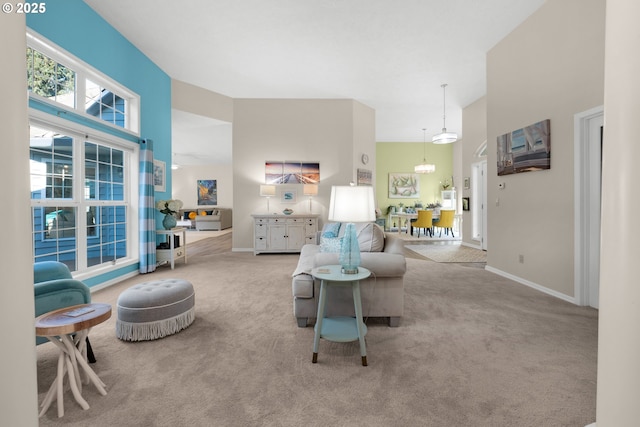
(453,252)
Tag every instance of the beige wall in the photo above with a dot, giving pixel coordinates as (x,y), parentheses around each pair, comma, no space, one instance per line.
(331,132)
(18,387)
(550,67)
(196,100)
(185,181)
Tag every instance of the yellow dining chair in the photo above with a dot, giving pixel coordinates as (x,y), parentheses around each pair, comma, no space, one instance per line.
(445,221)
(424,220)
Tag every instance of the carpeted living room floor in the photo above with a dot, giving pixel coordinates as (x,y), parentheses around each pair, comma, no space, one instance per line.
(473,349)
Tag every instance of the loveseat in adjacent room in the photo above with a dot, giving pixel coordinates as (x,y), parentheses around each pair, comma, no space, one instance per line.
(215,219)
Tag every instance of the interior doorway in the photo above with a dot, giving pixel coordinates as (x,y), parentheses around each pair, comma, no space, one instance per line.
(479,203)
(588,173)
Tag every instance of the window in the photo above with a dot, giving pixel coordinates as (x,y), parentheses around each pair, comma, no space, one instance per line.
(80,202)
(50,79)
(54,76)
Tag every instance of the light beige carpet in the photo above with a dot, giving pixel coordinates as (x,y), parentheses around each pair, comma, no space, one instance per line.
(473,349)
(193,236)
(451,252)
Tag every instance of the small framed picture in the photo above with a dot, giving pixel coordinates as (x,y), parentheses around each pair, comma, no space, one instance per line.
(288,196)
(467,183)
(159,175)
(364,177)
(465,203)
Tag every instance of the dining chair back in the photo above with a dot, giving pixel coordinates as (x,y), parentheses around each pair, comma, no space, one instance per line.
(445,221)
(424,220)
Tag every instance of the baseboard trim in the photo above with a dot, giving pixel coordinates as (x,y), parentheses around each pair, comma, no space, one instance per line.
(241,249)
(533,285)
(114,281)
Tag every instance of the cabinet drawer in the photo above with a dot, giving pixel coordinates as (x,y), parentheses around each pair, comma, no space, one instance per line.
(261,230)
(165,254)
(261,243)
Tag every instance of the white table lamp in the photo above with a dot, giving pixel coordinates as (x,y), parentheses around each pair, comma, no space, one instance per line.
(267,191)
(310,190)
(351,204)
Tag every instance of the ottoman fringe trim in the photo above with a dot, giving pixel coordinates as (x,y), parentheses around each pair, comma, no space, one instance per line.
(144,331)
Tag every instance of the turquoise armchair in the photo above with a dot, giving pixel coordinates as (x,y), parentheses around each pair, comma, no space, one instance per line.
(55,288)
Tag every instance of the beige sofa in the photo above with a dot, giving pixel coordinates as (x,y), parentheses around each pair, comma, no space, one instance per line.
(382,294)
(218,219)
(215,219)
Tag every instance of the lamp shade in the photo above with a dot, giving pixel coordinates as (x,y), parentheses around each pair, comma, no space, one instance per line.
(424,168)
(445,137)
(352,204)
(267,190)
(310,190)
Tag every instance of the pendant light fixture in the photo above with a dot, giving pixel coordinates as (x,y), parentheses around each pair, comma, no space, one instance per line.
(424,167)
(444,137)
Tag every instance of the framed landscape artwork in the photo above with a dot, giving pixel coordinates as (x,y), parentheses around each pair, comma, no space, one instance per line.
(364,177)
(207,192)
(291,172)
(525,150)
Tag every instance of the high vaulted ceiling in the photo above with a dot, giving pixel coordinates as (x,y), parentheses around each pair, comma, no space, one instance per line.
(392,56)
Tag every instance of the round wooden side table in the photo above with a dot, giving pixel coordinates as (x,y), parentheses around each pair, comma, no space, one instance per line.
(68,328)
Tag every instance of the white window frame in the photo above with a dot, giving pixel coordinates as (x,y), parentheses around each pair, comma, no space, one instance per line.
(82,133)
(83,72)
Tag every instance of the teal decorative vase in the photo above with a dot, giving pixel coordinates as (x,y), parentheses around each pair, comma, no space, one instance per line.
(169,222)
(349,250)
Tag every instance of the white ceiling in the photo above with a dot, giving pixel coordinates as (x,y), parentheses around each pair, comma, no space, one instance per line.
(390,55)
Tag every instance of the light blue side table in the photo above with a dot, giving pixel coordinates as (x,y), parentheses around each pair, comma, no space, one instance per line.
(340,329)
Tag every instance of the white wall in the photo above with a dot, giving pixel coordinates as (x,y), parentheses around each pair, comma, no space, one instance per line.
(18,387)
(331,132)
(550,67)
(185,181)
(619,326)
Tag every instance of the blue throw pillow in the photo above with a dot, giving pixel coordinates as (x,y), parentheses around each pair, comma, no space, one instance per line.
(331,229)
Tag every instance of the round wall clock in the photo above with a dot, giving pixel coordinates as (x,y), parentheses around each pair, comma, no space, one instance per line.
(365,159)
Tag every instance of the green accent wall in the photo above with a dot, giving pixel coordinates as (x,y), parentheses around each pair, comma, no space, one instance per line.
(402,157)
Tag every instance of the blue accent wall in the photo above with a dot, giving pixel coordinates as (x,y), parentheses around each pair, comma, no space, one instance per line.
(75,27)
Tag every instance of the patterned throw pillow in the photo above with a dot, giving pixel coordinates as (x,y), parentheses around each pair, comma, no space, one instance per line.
(331,229)
(330,244)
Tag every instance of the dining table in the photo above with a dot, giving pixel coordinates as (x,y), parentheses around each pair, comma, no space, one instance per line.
(406,217)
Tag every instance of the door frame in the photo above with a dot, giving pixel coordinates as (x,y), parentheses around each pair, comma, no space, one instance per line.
(479,203)
(587,196)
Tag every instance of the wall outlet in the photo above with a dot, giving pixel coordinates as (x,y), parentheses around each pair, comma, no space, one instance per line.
(521,259)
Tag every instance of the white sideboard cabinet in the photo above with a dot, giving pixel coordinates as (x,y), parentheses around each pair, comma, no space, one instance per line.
(283,233)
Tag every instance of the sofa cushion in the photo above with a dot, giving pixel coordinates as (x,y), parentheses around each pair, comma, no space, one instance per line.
(370,236)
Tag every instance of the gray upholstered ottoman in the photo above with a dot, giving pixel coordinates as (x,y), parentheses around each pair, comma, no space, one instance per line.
(155,309)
